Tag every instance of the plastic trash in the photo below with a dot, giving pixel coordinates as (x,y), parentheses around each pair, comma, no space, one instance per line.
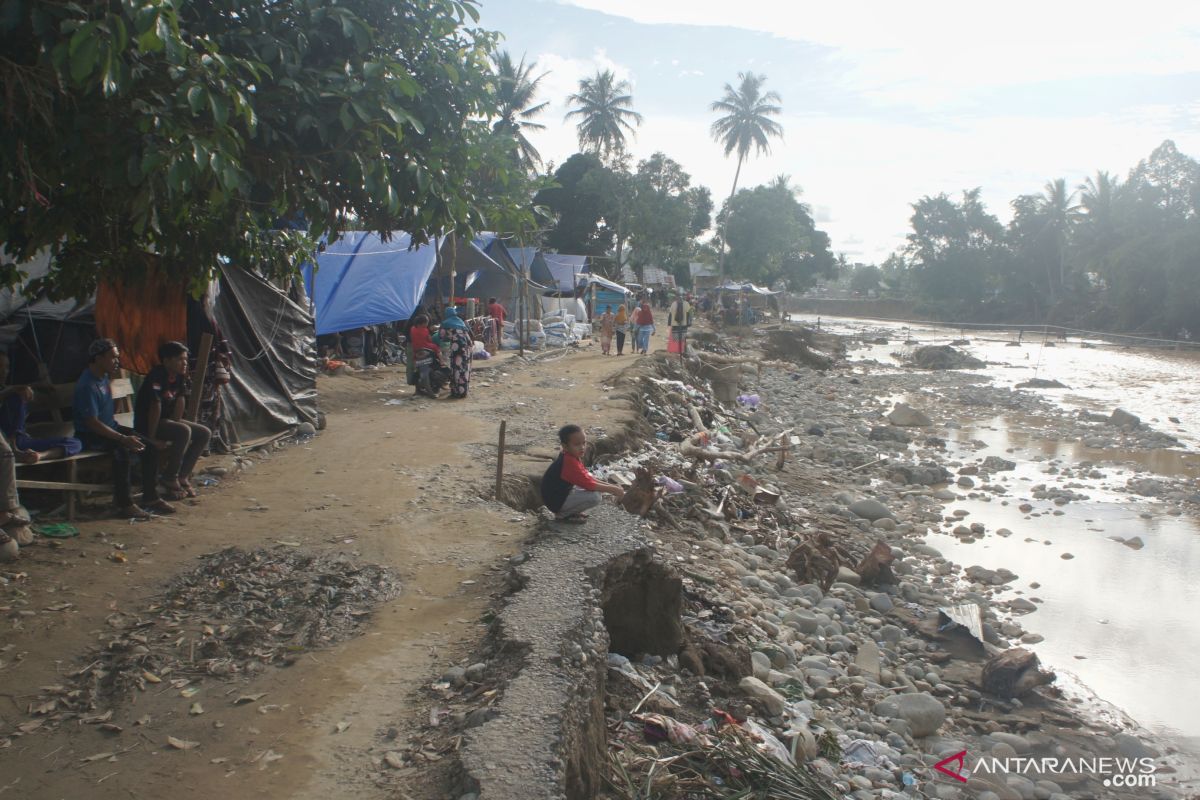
(769,743)
(748,400)
(673,486)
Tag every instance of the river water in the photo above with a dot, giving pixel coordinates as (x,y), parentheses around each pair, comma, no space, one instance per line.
(1123,623)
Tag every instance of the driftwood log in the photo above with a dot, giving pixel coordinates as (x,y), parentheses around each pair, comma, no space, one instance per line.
(1014,673)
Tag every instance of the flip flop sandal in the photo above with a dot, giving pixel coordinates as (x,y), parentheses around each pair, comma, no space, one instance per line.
(160,506)
(135,512)
(188,489)
(172,493)
(57,530)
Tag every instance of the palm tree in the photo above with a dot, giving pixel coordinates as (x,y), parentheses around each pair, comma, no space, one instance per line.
(1098,206)
(1060,212)
(605,107)
(515,90)
(746,124)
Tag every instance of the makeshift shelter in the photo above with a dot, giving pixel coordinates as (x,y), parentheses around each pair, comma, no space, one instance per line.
(274,353)
(565,271)
(270,336)
(600,292)
(362,280)
(37,331)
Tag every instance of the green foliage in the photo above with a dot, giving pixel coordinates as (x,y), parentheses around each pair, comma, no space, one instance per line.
(1114,255)
(866,279)
(140,131)
(771,236)
(583,200)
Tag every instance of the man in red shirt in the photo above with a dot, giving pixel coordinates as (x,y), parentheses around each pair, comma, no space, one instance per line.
(497,313)
(568,489)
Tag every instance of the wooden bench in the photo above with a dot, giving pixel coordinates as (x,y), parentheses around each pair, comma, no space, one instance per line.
(54,401)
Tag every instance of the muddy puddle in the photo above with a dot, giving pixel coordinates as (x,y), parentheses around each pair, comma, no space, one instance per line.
(1118,622)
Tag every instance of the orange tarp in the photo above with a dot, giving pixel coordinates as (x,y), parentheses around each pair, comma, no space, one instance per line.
(140,318)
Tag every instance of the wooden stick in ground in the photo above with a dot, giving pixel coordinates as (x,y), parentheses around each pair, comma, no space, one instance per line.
(500,458)
(193,401)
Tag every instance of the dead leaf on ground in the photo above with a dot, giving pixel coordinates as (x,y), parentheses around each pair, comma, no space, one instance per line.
(98,757)
(342,726)
(181,744)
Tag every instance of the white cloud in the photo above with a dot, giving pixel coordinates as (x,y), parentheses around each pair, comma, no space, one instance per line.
(862,172)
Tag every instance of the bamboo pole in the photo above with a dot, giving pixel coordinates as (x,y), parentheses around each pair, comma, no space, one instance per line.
(500,458)
(193,401)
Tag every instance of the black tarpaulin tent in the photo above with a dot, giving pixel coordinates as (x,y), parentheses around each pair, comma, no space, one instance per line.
(273,348)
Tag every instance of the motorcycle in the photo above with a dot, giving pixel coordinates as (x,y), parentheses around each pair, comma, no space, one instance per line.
(431,377)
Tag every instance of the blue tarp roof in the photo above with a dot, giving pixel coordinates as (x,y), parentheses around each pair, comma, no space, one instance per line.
(565,269)
(362,280)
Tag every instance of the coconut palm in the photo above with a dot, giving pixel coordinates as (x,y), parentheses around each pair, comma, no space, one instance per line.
(605,112)
(746,125)
(1058,209)
(515,91)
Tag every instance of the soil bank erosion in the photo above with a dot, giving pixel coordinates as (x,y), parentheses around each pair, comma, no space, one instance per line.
(779,621)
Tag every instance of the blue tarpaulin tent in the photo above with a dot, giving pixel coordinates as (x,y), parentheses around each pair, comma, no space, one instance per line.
(363,280)
(566,270)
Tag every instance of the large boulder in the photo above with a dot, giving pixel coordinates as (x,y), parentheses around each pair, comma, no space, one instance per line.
(1123,419)
(868,508)
(905,416)
(923,712)
(770,699)
(944,357)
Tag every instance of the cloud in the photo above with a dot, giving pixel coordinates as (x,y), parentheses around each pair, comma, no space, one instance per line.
(880,111)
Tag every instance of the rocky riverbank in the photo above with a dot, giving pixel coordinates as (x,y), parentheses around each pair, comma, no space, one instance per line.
(868,678)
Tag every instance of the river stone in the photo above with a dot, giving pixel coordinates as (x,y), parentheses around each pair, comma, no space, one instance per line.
(846,575)
(772,700)
(1023,606)
(882,603)
(868,508)
(803,621)
(760,664)
(923,712)
(1123,419)
(905,416)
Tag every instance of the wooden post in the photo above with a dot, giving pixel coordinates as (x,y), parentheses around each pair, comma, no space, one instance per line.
(500,459)
(193,401)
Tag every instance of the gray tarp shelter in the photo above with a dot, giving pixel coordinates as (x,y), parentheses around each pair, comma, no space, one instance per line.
(270,336)
(274,353)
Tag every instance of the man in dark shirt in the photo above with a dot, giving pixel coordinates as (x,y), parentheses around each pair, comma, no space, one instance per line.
(97,428)
(568,489)
(158,416)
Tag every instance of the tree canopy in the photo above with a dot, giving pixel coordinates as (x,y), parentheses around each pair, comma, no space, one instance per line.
(1109,254)
(184,134)
(771,236)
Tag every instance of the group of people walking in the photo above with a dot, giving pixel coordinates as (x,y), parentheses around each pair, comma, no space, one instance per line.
(639,323)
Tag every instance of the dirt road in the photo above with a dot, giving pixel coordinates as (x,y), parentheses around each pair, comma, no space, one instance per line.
(401,485)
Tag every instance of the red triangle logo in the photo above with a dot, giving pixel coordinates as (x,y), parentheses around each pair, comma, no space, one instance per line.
(959,758)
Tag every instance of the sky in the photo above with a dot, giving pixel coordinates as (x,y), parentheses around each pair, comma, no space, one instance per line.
(883,102)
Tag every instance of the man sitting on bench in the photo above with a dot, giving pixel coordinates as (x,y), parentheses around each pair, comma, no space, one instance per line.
(158,416)
(14,408)
(96,427)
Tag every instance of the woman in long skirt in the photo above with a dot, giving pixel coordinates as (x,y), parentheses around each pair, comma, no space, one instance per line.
(458,345)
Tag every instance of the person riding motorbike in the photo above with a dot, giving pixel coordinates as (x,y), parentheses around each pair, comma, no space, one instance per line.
(426,370)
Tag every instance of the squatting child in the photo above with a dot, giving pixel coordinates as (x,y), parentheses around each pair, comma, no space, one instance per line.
(568,489)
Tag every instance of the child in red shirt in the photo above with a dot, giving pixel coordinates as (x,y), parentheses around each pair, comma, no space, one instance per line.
(568,489)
